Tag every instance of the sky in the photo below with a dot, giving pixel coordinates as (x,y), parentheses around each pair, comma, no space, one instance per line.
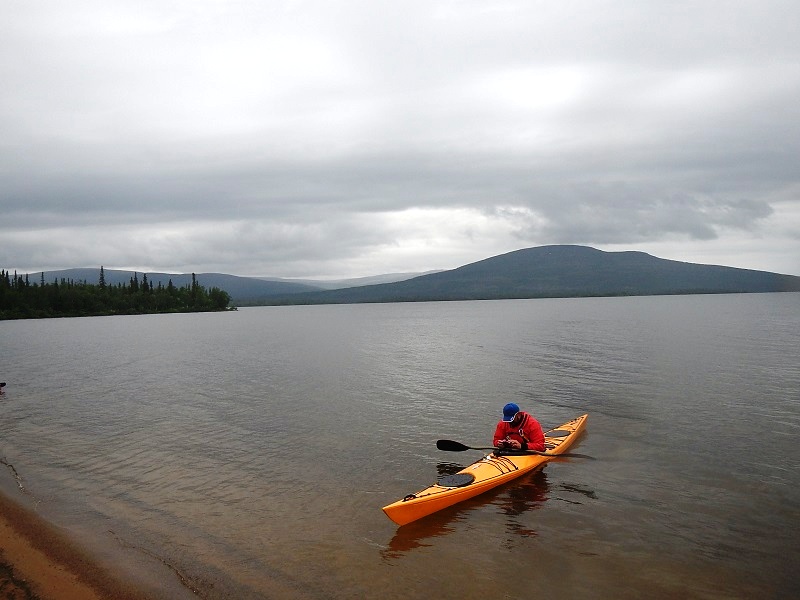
(339,139)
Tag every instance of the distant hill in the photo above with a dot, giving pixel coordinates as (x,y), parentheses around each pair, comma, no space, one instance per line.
(556,272)
(336,284)
(241,289)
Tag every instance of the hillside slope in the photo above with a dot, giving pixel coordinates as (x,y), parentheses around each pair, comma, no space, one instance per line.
(560,271)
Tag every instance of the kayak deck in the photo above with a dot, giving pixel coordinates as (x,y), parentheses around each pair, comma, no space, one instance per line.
(481,476)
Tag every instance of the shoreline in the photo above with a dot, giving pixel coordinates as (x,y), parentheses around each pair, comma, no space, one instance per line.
(38,561)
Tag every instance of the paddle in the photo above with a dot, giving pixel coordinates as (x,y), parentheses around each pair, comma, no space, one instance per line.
(451,446)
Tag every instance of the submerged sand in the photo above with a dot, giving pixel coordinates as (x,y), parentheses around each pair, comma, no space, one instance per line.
(39,562)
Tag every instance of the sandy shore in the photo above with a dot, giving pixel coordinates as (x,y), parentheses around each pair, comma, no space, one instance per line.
(39,562)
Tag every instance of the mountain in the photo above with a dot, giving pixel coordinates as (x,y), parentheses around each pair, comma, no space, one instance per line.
(241,289)
(556,272)
(541,272)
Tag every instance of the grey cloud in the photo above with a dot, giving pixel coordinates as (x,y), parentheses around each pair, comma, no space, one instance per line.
(291,130)
(621,214)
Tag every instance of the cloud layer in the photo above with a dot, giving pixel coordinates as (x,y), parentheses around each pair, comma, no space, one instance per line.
(338,139)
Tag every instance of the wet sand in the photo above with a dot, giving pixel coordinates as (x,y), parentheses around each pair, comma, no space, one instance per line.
(39,562)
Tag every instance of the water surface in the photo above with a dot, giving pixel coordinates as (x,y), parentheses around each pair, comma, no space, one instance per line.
(248,454)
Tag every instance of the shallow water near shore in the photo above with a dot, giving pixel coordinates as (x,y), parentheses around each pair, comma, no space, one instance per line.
(248,454)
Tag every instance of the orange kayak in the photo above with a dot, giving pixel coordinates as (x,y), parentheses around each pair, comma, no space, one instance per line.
(487,473)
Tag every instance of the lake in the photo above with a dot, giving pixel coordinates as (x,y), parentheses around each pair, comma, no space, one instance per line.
(248,454)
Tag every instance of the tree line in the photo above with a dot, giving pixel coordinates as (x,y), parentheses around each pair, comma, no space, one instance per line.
(22,299)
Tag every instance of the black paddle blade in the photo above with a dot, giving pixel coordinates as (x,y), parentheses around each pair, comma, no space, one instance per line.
(451,446)
(575,455)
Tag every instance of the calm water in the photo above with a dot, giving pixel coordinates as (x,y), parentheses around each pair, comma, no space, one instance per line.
(247,454)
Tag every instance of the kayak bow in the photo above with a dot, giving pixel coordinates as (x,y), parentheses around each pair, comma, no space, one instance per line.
(481,476)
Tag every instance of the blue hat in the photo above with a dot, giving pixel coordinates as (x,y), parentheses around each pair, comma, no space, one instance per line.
(509,410)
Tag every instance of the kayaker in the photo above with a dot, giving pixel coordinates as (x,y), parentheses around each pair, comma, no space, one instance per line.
(518,430)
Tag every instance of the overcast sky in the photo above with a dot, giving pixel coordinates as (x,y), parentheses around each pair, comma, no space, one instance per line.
(341,139)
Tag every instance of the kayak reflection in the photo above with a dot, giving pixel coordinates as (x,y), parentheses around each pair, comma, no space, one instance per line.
(527,493)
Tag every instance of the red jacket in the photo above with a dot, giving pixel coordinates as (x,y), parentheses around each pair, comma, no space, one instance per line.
(529,433)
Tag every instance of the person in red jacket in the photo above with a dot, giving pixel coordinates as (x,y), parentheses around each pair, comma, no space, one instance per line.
(518,430)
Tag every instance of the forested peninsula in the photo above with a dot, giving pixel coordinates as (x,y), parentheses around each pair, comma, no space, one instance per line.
(21,298)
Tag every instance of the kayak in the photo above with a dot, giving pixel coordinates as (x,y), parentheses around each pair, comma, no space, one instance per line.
(497,468)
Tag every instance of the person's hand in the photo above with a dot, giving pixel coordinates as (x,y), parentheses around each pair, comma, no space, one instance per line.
(514,445)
